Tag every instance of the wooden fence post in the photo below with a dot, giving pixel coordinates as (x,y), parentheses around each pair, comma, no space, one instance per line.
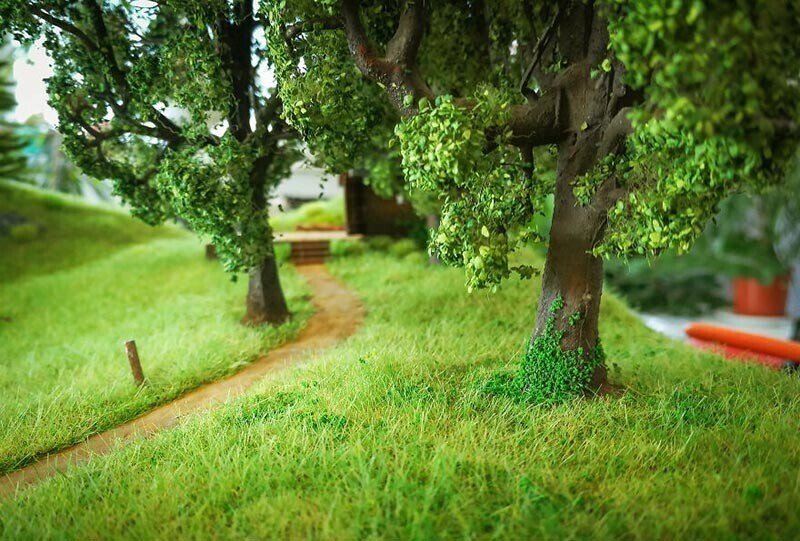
(133,358)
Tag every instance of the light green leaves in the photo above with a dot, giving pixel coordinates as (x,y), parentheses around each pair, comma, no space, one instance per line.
(489,203)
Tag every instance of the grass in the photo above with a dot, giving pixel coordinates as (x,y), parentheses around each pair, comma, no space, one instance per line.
(317,213)
(389,435)
(69,232)
(90,279)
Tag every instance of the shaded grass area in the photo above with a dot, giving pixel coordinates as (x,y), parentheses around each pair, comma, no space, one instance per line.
(390,435)
(66,232)
(63,370)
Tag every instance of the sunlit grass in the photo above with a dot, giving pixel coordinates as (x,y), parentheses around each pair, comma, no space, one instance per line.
(389,435)
(326,213)
(63,370)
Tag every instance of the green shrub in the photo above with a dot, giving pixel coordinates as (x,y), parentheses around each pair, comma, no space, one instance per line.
(416,258)
(283,250)
(341,248)
(380,243)
(317,213)
(402,248)
(24,232)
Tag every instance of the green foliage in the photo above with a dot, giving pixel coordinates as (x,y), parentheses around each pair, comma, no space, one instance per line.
(486,197)
(283,251)
(715,74)
(12,162)
(379,243)
(672,284)
(549,374)
(24,232)
(755,236)
(212,190)
(329,213)
(325,97)
(328,100)
(344,248)
(402,248)
(146,98)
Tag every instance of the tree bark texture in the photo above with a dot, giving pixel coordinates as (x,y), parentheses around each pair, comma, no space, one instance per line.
(571,272)
(266,303)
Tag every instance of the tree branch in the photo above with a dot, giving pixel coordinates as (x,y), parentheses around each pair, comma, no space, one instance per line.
(398,80)
(170,131)
(539,122)
(66,27)
(103,47)
(785,126)
(617,130)
(321,23)
(404,45)
(538,51)
(357,41)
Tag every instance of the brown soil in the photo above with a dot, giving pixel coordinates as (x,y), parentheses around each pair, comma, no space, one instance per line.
(338,314)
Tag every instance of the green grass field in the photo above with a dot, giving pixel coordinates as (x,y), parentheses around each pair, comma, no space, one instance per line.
(390,435)
(73,293)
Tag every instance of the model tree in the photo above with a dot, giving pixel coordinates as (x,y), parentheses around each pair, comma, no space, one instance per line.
(12,162)
(171,101)
(654,112)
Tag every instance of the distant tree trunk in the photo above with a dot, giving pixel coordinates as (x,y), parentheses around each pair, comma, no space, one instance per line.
(571,272)
(432,222)
(265,300)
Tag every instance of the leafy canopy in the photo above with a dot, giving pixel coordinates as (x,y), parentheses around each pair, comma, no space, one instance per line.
(169,101)
(12,162)
(711,108)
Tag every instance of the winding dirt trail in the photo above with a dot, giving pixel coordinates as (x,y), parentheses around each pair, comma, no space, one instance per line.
(338,313)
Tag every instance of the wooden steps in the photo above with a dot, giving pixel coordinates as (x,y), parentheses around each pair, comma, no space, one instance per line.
(311,247)
(309,252)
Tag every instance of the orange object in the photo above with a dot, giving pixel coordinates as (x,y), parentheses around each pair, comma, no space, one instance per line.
(752,298)
(738,354)
(784,349)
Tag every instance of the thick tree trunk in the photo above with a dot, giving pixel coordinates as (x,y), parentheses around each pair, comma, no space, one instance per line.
(571,273)
(265,300)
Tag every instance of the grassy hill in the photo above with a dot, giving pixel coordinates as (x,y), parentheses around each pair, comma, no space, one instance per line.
(390,436)
(76,281)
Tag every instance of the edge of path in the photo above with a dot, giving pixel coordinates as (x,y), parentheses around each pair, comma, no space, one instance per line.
(338,314)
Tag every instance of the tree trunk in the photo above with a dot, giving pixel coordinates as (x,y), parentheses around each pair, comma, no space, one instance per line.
(572,275)
(265,300)
(432,222)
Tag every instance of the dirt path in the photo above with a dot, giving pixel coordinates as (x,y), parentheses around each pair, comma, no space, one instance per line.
(337,314)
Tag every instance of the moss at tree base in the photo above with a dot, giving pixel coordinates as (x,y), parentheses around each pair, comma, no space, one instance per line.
(548,374)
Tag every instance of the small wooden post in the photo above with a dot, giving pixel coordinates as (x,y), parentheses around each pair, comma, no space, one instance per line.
(133,358)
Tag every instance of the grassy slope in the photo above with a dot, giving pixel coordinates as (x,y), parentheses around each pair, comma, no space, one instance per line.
(316,213)
(92,279)
(389,436)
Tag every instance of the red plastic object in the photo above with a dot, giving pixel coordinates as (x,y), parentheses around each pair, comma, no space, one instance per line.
(738,354)
(752,298)
(783,349)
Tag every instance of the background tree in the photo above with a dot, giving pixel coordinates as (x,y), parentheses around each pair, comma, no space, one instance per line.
(12,162)
(653,111)
(170,100)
